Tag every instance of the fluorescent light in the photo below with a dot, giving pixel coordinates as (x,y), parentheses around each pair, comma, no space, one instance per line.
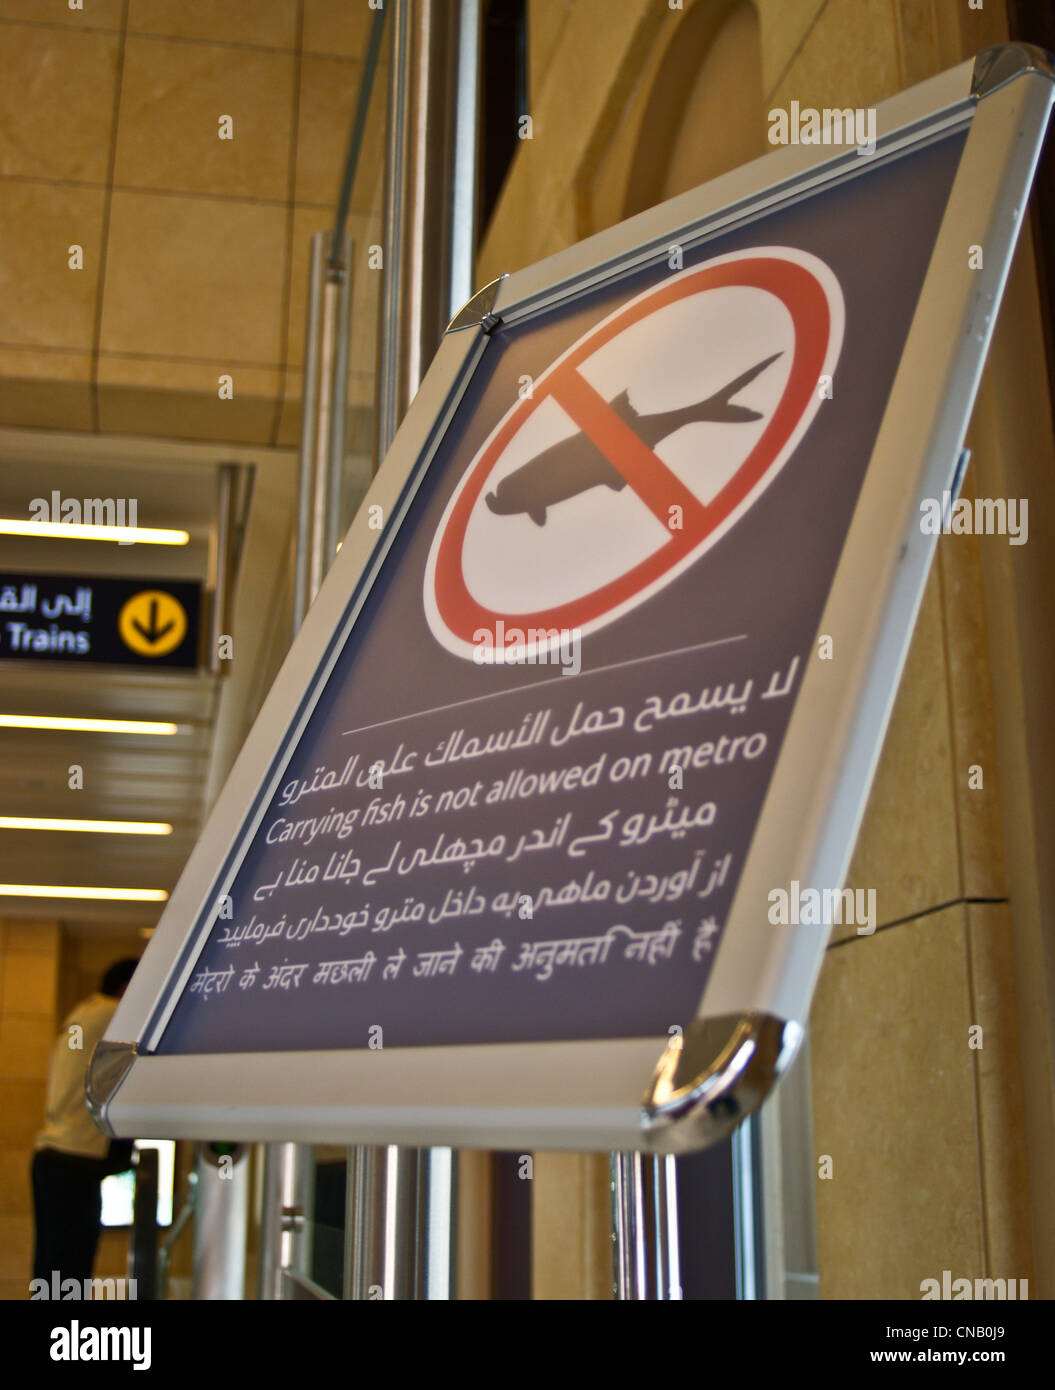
(103,827)
(61,890)
(75,531)
(86,726)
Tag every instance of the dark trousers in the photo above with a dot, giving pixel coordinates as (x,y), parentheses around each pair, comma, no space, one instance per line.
(67,1204)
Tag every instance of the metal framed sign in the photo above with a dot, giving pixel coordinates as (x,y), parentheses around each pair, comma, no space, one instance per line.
(600,674)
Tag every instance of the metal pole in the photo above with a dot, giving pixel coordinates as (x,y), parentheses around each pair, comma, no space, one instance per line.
(667,1255)
(339,409)
(646,1258)
(462,251)
(308,423)
(400,1232)
(436,1224)
(220,562)
(286,1234)
(384,1190)
(222,1210)
(748,1236)
(628,1254)
(321,549)
(430,194)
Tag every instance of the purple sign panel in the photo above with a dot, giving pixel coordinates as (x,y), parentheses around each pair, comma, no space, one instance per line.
(523,800)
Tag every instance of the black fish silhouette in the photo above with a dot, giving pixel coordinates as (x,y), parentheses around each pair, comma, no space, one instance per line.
(575,465)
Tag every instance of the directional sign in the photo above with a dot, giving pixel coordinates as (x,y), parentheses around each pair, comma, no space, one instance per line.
(540,833)
(153,622)
(90,620)
(637,450)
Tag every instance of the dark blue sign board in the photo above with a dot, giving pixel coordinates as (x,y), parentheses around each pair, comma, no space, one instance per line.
(91,620)
(540,833)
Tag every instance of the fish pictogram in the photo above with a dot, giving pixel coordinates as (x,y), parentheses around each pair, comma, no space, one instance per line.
(574,465)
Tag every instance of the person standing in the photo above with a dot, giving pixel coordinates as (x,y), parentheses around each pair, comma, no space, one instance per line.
(71,1155)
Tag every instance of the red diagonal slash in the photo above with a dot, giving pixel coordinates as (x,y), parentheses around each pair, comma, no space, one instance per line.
(805,300)
(647,474)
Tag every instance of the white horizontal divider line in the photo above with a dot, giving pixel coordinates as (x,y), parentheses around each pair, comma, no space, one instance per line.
(540,685)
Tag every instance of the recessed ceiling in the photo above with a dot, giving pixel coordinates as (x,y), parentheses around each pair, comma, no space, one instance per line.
(125,777)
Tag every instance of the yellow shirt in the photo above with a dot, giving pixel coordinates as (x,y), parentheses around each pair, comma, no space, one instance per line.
(68,1126)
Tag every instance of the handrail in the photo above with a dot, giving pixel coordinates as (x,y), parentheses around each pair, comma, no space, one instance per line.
(175,1231)
(355,141)
(298,1286)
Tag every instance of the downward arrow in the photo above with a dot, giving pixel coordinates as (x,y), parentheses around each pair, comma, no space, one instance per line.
(153,633)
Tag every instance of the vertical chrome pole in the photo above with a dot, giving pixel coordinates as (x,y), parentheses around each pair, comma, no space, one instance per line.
(628,1254)
(308,431)
(666,1270)
(645,1252)
(220,562)
(776,1204)
(747,1235)
(321,548)
(221,1222)
(342,266)
(462,250)
(382,1234)
(429,233)
(289,1170)
(436,1224)
(400,1231)
(285,1233)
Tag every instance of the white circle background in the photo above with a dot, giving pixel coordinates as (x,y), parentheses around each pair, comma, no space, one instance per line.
(677,356)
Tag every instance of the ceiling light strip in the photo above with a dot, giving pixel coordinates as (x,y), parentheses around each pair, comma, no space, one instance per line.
(77,531)
(100,827)
(87,726)
(56,890)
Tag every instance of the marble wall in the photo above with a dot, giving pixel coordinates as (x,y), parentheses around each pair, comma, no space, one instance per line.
(195,248)
(29,974)
(926,1133)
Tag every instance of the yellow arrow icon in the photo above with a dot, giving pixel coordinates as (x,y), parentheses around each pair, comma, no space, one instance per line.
(152,623)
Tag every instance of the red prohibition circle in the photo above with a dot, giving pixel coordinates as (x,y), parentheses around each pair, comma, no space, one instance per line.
(801,294)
